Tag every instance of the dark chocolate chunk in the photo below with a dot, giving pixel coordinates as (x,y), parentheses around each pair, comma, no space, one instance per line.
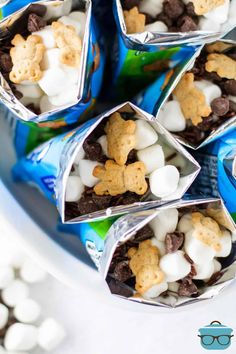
(173,8)
(93,150)
(35,23)
(229,87)
(132,157)
(187,288)
(33,108)
(129,4)
(186,24)
(5,62)
(86,205)
(71,210)
(173,241)
(190,9)
(122,271)
(164,18)
(220,106)
(38,9)
(129,198)
(149,19)
(102,201)
(214,278)
(143,234)
(118,288)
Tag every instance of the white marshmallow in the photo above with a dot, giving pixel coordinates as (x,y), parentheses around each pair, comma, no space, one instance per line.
(30,100)
(86,168)
(27,311)
(160,245)
(157,26)
(198,251)
(164,181)
(74,189)
(80,155)
(20,337)
(72,74)
(67,20)
(217,265)
(4,314)
(210,90)
(219,14)
(155,290)
(185,223)
(207,25)
(15,292)
(31,272)
(6,276)
(53,81)
(151,7)
(33,91)
(171,117)
(47,37)
(173,286)
(58,10)
(152,157)
(81,18)
(204,270)
(175,266)
(50,334)
(45,105)
(226,244)
(165,222)
(51,59)
(103,142)
(67,97)
(145,135)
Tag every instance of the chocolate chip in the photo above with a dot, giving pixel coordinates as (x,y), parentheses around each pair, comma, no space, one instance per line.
(102,201)
(132,157)
(173,8)
(186,256)
(39,10)
(149,19)
(187,288)
(190,9)
(214,77)
(35,23)
(34,109)
(164,18)
(93,150)
(230,87)
(220,106)
(5,62)
(71,210)
(214,278)
(192,272)
(143,234)
(173,241)
(129,4)
(186,24)
(129,198)
(193,134)
(118,288)
(122,271)
(86,205)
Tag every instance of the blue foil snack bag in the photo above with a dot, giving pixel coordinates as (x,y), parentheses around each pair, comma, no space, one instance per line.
(76,100)
(218,171)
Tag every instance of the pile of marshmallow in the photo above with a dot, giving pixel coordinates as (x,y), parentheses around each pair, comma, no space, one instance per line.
(21,325)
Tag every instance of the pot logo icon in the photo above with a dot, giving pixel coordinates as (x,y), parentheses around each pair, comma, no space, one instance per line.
(215,336)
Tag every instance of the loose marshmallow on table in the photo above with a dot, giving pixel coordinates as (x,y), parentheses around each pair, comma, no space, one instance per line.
(198,251)
(103,142)
(210,90)
(151,7)
(69,96)
(6,276)
(152,156)
(45,105)
(51,59)
(226,244)
(157,26)
(74,189)
(164,181)
(208,25)
(20,337)
(219,14)
(4,314)
(86,168)
(204,270)
(15,292)
(27,311)
(145,135)
(165,222)
(31,273)
(171,117)
(175,266)
(155,290)
(53,81)
(47,37)
(50,334)
(33,91)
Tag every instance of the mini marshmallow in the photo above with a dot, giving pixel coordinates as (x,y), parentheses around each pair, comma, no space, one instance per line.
(217,265)
(67,20)
(160,245)
(208,25)
(27,311)
(185,223)
(152,157)
(45,105)
(198,251)
(175,266)
(6,276)
(103,142)
(69,96)
(80,155)
(81,18)
(226,244)
(33,91)
(157,26)
(173,286)
(204,270)
(219,14)
(74,189)
(47,37)
(51,59)
(151,7)
(86,168)
(53,81)
(31,272)
(20,337)
(171,117)
(72,75)
(57,10)
(164,181)
(165,222)
(30,100)
(15,292)
(4,314)
(210,90)
(145,135)
(155,290)
(50,334)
